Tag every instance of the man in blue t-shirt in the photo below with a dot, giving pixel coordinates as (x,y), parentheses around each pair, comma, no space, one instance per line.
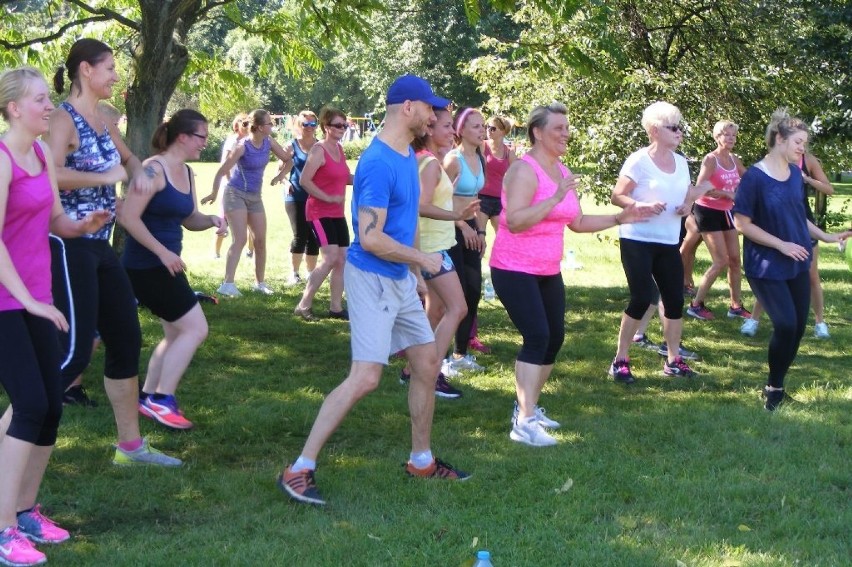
(385,313)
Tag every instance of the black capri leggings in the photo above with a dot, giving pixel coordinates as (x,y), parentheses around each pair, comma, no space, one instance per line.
(29,373)
(304,240)
(92,290)
(536,306)
(650,266)
(469,269)
(787,303)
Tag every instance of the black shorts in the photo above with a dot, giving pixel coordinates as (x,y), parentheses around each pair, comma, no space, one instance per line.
(712,220)
(490,206)
(166,296)
(331,231)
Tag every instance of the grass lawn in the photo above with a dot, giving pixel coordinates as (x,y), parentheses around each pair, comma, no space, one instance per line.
(666,472)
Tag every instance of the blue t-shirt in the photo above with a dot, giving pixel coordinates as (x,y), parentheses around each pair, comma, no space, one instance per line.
(384,179)
(163,217)
(300,158)
(776,207)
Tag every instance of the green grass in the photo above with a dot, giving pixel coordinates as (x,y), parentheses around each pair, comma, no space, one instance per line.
(667,472)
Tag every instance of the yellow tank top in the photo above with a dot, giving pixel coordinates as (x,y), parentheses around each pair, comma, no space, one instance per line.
(438,235)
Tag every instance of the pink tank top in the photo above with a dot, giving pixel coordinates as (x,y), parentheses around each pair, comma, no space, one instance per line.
(495,170)
(25,230)
(331,177)
(538,249)
(724,180)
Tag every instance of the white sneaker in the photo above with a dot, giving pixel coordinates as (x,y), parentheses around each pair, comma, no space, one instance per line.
(294,279)
(530,432)
(229,290)
(749,327)
(821,331)
(448,370)
(540,416)
(261,287)
(466,362)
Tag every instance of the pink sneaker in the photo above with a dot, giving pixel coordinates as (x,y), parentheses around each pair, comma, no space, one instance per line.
(167,412)
(37,527)
(17,550)
(478,346)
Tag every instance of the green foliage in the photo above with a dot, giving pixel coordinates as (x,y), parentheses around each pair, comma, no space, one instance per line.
(353,150)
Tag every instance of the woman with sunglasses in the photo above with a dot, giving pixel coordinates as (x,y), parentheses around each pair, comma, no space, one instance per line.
(152,259)
(498,158)
(325,177)
(656,178)
(304,242)
(242,200)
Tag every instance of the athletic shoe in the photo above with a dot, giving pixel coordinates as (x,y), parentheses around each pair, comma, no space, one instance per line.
(540,415)
(77,396)
(36,527)
(249,253)
(466,362)
(734,312)
(438,469)
(689,291)
(305,313)
(300,486)
(699,311)
(144,455)
(531,432)
(343,314)
(776,398)
(681,352)
(205,298)
(295,279)
(678,368)
(749,327)
(17,550)
(448,370)
(404,377)
(444,389)
(229,290)
(821,331)
(261,287)
(644,342)
(620,371)
(476,345)
(165,411)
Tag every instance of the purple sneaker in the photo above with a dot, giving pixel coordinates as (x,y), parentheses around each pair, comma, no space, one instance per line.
(37,527)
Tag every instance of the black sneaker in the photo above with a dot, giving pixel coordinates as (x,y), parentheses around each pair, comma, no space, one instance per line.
(678,367)
(620,371)
(76,396)
(644,342)
(682,352)
(444,389)
(776,398)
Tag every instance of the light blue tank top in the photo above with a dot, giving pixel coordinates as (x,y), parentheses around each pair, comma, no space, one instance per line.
(468,184)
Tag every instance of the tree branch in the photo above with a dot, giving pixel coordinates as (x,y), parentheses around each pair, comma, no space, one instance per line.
(55,35)
(109,14)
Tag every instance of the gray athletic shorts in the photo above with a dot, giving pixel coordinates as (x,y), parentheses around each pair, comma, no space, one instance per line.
(385,315)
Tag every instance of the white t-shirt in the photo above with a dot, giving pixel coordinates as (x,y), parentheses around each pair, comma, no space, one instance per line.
(654,185)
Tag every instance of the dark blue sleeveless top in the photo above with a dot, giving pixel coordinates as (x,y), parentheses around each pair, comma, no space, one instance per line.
(163,217)
(299,159)
(97,153)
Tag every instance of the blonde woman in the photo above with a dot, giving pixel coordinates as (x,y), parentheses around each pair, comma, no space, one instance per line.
(240,128)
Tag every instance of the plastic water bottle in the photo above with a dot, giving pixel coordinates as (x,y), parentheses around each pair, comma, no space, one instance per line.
(483,559)
(489,294)
(570,262)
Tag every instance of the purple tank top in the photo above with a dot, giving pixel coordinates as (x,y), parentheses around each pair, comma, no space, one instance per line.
(25,230)
(248,174)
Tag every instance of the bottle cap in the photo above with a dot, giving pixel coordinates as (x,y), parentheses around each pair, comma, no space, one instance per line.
(483,554)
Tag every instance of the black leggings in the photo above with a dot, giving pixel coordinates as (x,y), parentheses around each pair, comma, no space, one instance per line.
(787,303)
(469,269)
(650,266)
(536,306)
(93,291)
(29,351)
(304,240)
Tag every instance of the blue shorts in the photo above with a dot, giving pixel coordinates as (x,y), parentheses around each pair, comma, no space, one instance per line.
(447,266)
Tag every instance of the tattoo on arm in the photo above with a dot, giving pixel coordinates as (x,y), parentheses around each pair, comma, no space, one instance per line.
(150,172)
(373,215)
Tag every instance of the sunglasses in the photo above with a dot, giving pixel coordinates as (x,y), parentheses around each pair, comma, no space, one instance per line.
(675,128)
(339,126)
(309,124)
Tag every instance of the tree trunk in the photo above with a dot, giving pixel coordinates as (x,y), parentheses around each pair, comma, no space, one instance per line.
(159,63)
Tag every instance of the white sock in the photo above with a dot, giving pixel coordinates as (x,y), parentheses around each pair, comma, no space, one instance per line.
(302,463)
(422,459)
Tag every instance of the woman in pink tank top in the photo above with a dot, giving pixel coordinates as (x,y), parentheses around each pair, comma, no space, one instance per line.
(325,177)
(714,222)
(539,201)
(29,349)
